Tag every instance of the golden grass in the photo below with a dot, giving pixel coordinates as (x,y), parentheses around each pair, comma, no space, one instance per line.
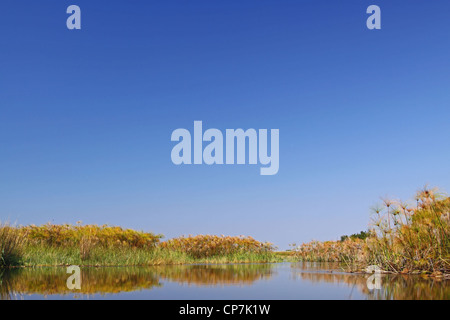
(48,281)
(203,246)
(91,245)
(349,250)
(89,235)
(412,238)
(403,238)
(11,245)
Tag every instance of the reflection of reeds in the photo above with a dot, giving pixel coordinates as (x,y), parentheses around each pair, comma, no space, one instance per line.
(91,245)
(349,250)
(106,236)
(211,275)
(52,280)
(393,287)
(48,281)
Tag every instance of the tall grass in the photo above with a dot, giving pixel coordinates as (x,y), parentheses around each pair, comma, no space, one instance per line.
(89,235)
(91,245)
(11,245)
(404,238)
(203,246)
(349,250)
(411,238)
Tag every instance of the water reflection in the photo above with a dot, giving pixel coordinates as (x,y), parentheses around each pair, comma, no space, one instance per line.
(392,287)
(213,275)
(238,281)
(50,281)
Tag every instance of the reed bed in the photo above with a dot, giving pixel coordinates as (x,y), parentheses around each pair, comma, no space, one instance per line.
(11,245)
(89,235)
(395,286)
(403,238)
(204,246)
(92,245)
(349,250)
(48,281)
(410,238)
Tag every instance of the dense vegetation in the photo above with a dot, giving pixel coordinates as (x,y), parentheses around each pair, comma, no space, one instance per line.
(363,235)
(48,281)
(403,238)
(209,245)
(113,246)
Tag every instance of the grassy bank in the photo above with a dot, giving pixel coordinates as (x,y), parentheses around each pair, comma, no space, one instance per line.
(403,238)
(91,245)
(47,256)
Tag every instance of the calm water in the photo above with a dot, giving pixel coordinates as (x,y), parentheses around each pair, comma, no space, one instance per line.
(231,281)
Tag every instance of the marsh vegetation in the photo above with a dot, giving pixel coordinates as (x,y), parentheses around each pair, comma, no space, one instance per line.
(403,238)
(92,245)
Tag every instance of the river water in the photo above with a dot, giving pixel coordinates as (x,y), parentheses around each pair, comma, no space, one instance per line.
(290,281)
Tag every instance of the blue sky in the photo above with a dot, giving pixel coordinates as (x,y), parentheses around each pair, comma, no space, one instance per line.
(86,116)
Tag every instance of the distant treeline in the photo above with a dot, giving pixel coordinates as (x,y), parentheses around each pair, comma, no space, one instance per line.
(363,235)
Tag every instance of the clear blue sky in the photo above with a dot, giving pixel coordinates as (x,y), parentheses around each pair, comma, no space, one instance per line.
(86,116)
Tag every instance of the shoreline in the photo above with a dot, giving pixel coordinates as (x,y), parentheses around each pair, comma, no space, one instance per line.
(423,274)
